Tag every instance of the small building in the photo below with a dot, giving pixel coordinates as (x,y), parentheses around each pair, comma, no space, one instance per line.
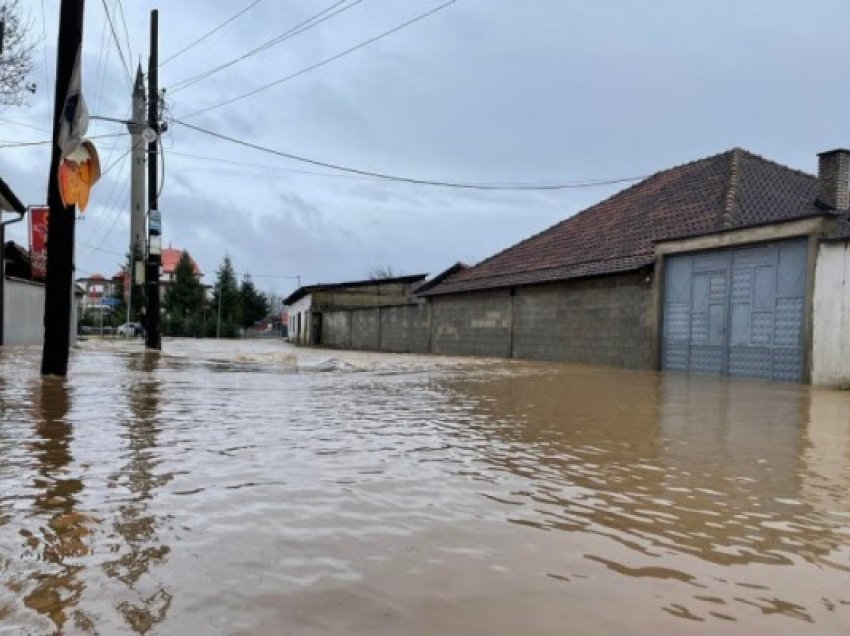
(303,308)
(731,265)
(97,290)
(21,297)
(170,257)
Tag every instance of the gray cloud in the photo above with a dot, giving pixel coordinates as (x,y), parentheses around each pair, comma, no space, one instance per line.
(484,91)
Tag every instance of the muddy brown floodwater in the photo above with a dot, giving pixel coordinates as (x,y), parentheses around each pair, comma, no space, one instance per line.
(253,488)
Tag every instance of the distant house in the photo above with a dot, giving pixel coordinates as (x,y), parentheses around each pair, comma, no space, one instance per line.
(170,258)
(304,307)
(729,265)
(97,290)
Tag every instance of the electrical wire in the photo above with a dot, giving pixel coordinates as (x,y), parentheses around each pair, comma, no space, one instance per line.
(102,61)
(117,43)
(126,32)
(19,123)
(208,33)
(298,29)
(44,50)
(402,179)
(117,214)
(22,144)
(328,60)
(271,168)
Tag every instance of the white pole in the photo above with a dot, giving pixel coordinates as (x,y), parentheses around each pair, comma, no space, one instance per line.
(218,324)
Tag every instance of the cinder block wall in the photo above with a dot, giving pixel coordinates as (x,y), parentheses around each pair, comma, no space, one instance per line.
(607,320)
(336,329)
(474,324)
(405,329)
(599,321)
(365,329)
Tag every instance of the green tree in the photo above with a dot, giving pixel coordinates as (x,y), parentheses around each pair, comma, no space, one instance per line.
(225,303)
(184,300)
(254,303)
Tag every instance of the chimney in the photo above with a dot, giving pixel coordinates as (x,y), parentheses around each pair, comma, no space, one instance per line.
(834,179)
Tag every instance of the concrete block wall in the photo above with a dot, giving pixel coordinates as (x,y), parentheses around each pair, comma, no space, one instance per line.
(336,329)
(365,329)
(474,324)
(607,320)
(598,321)
(406,328)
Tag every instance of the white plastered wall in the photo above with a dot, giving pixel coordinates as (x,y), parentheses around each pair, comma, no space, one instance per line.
(831,343)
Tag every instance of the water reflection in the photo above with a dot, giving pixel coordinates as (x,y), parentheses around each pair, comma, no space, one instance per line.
(141,547)
(701,481)
(65,536)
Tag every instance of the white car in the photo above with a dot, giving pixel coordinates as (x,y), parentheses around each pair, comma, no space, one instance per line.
(130,330)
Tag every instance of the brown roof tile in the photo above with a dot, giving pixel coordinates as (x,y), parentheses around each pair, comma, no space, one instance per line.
(730,190)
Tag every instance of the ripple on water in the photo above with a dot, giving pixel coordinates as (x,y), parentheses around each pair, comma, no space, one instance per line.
(255,488)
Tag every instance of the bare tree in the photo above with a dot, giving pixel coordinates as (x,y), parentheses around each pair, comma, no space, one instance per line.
(16,51)
(382,272)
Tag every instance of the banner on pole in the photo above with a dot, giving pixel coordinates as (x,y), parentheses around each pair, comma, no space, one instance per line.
(38,241)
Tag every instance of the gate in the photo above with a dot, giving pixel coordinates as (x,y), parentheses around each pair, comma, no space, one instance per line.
(737,312)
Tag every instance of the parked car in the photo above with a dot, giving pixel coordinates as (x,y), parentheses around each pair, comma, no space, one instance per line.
(131,330)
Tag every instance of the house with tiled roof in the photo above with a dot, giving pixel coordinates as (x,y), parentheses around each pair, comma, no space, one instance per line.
(170,258)
(729,265)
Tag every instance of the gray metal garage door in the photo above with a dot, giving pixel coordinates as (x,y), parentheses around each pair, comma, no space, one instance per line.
(736,312)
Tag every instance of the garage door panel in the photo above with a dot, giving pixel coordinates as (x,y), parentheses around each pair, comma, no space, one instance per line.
(792,270)
(751,362)
(741,327)
(745,313)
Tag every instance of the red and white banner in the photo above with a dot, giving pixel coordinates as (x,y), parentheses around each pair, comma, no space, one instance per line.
(38,242)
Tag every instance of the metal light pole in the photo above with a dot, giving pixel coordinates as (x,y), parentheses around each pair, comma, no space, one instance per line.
(218,323)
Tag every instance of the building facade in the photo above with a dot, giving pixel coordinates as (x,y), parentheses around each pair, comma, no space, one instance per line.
(730,265)
(305,308)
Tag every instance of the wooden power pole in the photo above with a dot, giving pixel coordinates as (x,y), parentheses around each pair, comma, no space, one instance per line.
(60,224)
(153,339)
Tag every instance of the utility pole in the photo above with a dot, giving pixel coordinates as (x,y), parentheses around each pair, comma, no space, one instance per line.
(153,339)
(137,186)
(60,223)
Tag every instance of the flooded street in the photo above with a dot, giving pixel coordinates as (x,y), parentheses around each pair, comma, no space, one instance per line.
(252,488)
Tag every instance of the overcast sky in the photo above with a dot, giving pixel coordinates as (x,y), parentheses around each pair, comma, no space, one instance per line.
(532,91)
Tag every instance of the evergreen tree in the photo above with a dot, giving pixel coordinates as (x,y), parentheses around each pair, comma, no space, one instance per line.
(254,303)
(184,300)
(226,298)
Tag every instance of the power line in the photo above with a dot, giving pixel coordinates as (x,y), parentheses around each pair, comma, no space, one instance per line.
(298,29)
(401,179)
(328,60)
(19,123)
(271,168)
(117,43)
(208,34)
(22,144)
(126,33)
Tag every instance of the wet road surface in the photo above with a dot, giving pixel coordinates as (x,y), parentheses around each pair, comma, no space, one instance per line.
(253,488)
